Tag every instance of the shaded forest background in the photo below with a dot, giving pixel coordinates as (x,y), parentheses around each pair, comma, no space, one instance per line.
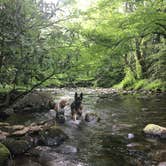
(114,43)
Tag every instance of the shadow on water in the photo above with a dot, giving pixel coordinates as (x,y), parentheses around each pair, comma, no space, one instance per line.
(106,143)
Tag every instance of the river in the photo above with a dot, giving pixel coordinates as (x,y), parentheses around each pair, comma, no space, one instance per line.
(117,140)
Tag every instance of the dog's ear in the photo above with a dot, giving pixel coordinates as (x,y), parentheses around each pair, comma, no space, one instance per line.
(75,96)
(81,95)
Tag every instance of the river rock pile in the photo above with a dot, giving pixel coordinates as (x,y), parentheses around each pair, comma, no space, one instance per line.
(18,139)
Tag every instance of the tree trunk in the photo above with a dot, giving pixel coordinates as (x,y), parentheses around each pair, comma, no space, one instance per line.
(2,53)
(140,57)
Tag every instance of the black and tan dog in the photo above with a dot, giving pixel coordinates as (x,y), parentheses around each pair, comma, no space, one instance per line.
(76,106)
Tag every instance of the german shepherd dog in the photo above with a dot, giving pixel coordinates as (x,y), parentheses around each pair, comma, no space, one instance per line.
(76,106)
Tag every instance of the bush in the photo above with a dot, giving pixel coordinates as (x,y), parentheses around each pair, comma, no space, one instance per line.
(156,85)
(140,84)
(128,81)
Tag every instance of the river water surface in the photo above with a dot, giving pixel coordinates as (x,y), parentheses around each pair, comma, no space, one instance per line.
(117,140)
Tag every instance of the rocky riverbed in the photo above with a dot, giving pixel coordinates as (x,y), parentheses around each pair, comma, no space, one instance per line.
(112,131)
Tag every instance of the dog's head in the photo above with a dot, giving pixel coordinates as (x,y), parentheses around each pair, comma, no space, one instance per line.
(78,99)
(63,103)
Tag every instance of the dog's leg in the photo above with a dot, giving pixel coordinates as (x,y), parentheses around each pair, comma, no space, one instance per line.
(75,117)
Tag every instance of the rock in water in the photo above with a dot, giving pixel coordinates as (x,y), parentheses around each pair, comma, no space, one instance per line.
(51,114)
(67,149)
(130,136)
(91,117)
(17,146)
(162,164)
(155,130)
(4,154)
(52,136)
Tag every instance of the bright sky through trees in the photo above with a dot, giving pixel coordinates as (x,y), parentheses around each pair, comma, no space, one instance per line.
(81,4)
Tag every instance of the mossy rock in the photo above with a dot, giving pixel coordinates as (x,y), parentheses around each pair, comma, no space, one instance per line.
(4,154)
(17,146)
(52,137)
(155,130)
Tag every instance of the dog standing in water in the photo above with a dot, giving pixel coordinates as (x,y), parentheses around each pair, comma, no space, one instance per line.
(76,106)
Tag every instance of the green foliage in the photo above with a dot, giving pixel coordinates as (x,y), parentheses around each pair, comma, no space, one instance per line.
(156,85)
(140,84)
(128,80)
(4,154)
(119,43)
(110,72)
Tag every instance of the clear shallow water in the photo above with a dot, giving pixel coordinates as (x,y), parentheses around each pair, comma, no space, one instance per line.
(106,143)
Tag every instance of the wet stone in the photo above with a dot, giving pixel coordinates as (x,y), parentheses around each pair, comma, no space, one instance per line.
(21,132)
(39,150)
(159,155)
(131,145)
(3,135)
(92,117)
(67,149)
(162,164)
(17,146)
(25,161)
(155,130)
(52,137)
(144,109)
(130,136)
(4,124)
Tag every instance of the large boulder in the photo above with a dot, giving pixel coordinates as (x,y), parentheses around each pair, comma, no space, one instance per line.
(4,154)
(155,130)
(17,146)
(36,101)
(52,137)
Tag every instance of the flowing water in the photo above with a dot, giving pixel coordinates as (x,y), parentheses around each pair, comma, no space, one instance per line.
(117,140)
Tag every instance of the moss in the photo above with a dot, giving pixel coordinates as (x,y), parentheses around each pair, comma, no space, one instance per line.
(128,81)
(153,129)
(138,69)
(140,84)
(4,154)
(131,83)
(17,146)
(156,85)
